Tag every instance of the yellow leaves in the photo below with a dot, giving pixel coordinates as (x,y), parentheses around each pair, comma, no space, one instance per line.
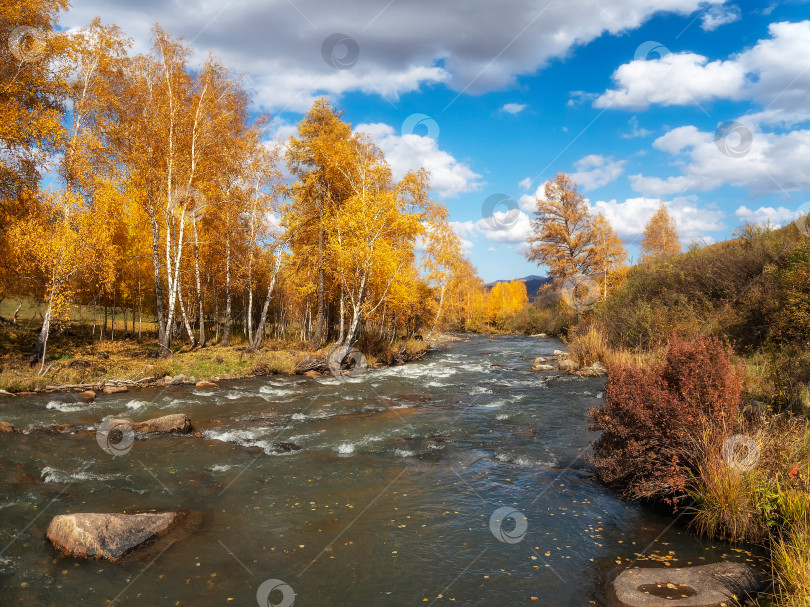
(505,299)
(660,236)
(570,240)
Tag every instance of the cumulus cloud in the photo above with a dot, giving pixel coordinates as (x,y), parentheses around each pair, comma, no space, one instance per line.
(525,184)
(764,215)
(514,108)
(771,73)
(402,45)
(594,171)
(764,162)
(629,217)
(504,227)
(449,177)
(716,15)
(675,79)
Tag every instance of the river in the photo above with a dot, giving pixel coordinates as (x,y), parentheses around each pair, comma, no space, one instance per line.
(459,479)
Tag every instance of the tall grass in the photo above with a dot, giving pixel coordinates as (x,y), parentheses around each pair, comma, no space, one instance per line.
(767,505)
(588,343)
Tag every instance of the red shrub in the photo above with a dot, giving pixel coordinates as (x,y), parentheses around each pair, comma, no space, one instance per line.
(651,417)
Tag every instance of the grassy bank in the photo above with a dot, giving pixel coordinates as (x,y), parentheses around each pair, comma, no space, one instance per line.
(76,358)
(736,460)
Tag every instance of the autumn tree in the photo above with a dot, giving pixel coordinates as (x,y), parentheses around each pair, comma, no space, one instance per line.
(660,236)
(465,298)
(610,255)
(51,246)
(173,132)
(33,91)
(562,237)
(572,241)
(375,227)
(505,300)
(442,255)
(317,194)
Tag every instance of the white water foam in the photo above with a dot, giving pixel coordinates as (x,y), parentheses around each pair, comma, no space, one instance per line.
(52,475)
(220,467)
(345,449)
(67,407)
(204,393)
(276,391)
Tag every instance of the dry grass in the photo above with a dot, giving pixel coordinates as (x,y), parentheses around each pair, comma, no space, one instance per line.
(588,344)
(790,562)
(769,504)
(72,361)
(726,504)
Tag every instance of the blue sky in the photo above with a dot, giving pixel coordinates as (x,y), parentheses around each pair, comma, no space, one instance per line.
(625,95)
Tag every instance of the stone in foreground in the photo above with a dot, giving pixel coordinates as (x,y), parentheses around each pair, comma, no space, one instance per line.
(713,585)
(179,422)
(111,536)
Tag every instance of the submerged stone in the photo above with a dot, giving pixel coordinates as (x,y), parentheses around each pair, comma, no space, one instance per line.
(715,585)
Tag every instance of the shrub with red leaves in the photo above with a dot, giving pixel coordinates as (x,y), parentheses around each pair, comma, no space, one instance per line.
(652,416)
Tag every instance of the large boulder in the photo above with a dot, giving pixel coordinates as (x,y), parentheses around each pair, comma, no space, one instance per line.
(111,536)
(715,585)
(179,422)
(567,365)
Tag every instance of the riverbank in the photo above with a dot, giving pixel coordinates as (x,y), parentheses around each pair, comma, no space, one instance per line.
(75,364)
(729,459)
(411,463)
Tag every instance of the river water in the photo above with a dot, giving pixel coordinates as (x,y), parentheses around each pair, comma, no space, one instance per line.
(460,479)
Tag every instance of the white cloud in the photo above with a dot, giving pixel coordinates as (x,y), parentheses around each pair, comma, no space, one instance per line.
(514,108)
(594,171)
(772,73)
(774,162)
(674,79)
(449,177)
(505,227)
(717,15)
(635,131)
(402,45)
(764,215)
(628,218)
(525,184)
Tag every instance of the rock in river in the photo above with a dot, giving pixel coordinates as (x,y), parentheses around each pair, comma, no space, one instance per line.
(179,422)
(111,536)
(6,427)
(566,365)
(712,585)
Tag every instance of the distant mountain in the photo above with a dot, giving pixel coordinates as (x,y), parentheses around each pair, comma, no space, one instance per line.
(533,284)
